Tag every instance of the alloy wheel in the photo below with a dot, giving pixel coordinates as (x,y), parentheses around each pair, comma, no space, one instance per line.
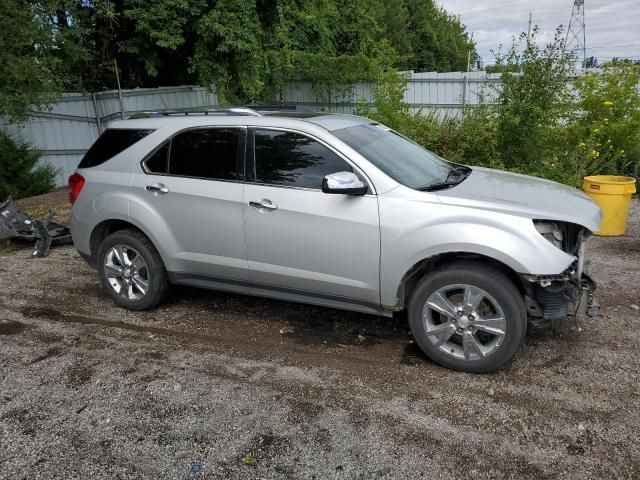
(127,272)
(464,321)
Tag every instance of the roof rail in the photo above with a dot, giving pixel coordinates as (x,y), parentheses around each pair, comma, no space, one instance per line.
(279,108)
(187,112)
(244,110)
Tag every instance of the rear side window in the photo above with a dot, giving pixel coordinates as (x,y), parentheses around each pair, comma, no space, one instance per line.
(110,143)
(291,159)
(210,153)
(159,161)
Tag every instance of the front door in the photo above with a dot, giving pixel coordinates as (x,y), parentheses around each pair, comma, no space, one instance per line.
(299,239)
(190,194)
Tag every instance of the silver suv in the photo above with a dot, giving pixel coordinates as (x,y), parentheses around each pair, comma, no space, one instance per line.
(332,210)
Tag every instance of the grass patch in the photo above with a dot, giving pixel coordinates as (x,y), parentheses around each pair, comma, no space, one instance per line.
(249,459)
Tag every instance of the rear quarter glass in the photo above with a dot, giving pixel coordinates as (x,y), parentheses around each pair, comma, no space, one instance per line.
(111,143)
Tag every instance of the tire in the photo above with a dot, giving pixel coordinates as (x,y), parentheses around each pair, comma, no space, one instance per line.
(484,339)
(110,258)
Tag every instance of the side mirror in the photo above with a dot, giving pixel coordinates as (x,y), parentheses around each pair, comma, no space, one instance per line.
(346,183)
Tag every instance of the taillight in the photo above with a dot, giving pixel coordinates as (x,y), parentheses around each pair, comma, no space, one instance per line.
(76,182)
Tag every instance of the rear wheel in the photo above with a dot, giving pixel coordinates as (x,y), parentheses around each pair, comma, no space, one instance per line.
(468,317)
(131,270)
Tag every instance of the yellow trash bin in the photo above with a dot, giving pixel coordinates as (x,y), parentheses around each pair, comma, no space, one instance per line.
(613,195)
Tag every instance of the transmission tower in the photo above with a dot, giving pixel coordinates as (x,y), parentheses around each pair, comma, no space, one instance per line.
(575,45)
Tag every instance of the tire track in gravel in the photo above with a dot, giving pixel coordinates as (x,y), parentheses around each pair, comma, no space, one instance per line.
(403,422)
(415,421)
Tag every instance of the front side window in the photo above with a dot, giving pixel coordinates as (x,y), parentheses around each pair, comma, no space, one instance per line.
(401,159)
(210,153)
(111,143)
(291,159)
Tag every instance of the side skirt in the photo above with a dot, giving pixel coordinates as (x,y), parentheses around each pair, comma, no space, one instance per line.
(279,293)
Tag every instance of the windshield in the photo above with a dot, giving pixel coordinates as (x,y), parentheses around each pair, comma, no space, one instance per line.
(401,159)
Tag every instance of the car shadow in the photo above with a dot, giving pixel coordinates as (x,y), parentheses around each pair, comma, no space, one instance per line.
(308,325)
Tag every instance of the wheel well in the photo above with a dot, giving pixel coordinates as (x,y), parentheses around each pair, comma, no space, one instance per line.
(421,268)
(104,229)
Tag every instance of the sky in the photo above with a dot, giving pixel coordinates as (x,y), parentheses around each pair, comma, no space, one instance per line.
(612,27)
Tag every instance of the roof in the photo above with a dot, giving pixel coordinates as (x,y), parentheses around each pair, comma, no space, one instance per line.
(337,121)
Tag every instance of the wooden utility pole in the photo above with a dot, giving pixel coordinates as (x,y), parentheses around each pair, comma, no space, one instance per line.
(115,63)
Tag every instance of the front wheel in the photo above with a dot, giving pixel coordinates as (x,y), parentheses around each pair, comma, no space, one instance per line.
(468,316)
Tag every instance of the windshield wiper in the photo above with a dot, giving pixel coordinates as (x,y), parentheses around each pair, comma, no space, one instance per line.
(459,173)
(438,186)
(459,170)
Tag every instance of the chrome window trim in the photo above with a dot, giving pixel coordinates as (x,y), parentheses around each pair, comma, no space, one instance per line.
(146,171)
(304,189)
(364,176)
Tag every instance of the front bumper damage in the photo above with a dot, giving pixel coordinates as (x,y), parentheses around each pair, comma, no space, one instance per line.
(557,297)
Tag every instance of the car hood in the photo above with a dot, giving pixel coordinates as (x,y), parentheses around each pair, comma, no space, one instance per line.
(500,191)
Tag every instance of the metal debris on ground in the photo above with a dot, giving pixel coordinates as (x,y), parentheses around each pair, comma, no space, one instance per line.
(16,225)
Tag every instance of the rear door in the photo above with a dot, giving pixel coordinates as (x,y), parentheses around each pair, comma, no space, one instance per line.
(303,240)
(189,193)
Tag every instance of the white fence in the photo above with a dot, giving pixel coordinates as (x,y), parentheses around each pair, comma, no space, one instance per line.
(65,132)
(443,93)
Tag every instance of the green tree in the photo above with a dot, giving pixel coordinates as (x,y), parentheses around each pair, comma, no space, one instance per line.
(31,73)
(159,34)
(393,17)
(228,52)
(20,176)
(438,40)
(247,50)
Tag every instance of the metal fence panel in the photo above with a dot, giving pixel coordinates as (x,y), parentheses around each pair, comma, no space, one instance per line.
(446,94)
(65,131)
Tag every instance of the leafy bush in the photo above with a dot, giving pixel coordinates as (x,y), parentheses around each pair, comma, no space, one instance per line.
(537,124)
(531,102)
(606,124)
(470,140)
(389,106)
(19,175)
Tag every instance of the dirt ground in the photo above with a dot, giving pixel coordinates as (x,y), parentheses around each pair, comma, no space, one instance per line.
(214,385)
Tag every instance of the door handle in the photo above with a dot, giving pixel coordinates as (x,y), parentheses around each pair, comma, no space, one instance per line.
(264,204)
(156,189)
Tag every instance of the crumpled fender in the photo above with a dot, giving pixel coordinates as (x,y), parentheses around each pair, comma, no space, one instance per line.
(437,229)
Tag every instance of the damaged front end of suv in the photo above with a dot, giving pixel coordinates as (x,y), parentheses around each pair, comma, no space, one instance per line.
(570,293)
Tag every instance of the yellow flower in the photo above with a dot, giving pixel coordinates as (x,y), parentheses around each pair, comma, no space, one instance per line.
(594,154)
(621,151)
(608,104)
(582,144)
(605,120)
(596,130)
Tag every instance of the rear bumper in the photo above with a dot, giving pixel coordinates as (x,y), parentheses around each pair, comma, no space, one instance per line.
(81,238)
(88,258)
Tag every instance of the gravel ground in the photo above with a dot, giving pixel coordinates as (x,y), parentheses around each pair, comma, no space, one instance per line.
(40,206)
(215,385)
